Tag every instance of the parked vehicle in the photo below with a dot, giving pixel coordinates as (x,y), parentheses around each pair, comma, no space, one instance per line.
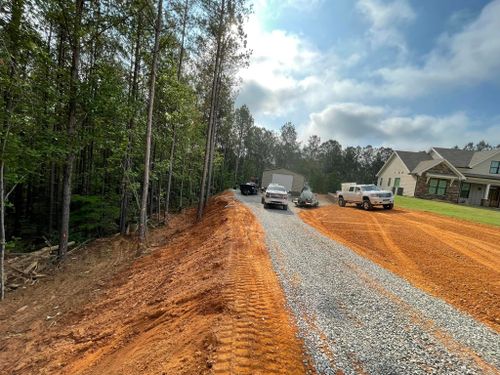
(250,188)
(306,199)
(365,196)
(275,195)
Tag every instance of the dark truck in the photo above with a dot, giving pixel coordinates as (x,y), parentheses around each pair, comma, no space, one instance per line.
(249,188)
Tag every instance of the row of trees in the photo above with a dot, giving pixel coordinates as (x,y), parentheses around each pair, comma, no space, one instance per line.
(324,164)
(109,112)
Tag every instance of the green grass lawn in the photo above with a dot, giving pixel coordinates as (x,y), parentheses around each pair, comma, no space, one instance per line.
(476,214)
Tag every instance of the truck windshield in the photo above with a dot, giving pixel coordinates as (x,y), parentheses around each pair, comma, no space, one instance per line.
(277,188)
(369,188)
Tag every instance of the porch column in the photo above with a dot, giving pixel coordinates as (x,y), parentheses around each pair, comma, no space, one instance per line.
(487,191)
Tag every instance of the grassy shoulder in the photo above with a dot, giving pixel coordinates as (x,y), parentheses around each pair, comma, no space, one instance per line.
(474,214)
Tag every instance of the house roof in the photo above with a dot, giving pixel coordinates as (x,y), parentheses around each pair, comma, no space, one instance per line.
(412,159)
(481,156)
(482,176)
(459,158)
(463,158)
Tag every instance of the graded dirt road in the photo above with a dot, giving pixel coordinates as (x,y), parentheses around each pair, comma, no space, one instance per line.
(455,260)
(357,317)
(205,302)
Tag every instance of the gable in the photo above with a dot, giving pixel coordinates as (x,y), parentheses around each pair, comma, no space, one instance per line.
(483,168)
(443,168)
(394,162)
(412,159)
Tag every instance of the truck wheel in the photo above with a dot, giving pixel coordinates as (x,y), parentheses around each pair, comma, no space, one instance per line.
(367,206)
(266,205)
(285,207)
(341,202)
(388,206)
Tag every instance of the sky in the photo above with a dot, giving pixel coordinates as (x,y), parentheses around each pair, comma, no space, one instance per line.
(406,74)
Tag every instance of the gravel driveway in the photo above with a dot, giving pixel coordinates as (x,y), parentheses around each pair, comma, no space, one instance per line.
(356,317)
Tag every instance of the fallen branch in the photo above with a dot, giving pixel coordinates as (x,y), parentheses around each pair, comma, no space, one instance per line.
(79,246)
(42,251)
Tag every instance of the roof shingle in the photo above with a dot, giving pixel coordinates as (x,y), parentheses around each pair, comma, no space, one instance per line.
(412,159)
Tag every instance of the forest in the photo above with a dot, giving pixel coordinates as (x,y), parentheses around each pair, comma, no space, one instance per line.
(116,113)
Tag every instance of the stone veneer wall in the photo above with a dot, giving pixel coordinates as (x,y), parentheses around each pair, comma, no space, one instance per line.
(452,192)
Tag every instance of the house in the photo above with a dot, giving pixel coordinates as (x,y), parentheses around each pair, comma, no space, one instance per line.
(292,181)
(458,176)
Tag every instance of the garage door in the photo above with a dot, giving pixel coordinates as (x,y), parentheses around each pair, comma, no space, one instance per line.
(283,179)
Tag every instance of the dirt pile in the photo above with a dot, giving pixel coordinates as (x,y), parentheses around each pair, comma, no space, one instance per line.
(206,302)
(455,260)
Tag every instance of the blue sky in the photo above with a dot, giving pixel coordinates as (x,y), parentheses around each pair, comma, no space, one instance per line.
(399,73)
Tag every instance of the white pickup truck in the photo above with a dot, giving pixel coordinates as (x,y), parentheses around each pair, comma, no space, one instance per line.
(365,196)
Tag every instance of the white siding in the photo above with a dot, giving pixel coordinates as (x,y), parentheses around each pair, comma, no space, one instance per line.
(484,167)
(397,169)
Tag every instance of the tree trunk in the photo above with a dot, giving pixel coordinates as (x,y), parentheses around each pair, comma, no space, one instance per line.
(183,37)
(170,169)
(127,161)
(203,185)
(68,165)
(214,133)
(2,231)
(145,185)
(152,166)
(182,181)
(51,197)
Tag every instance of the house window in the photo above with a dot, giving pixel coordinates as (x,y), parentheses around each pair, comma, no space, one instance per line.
(397,180)
(495,167)
(381,181)
(389,182)
(465,190)
(437,186)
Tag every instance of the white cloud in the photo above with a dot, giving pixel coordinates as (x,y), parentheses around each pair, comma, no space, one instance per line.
(468,57)
(289,78)
(385,19)
(287,73)
(360,124)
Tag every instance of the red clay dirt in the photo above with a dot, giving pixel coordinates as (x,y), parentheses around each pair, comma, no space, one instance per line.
(455,260)
(205,302)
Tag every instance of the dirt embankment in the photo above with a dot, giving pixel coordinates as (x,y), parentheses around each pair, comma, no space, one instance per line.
(455,260)
(206,302)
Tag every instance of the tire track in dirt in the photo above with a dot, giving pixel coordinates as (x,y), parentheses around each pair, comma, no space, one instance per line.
(404,260)
(359,327)
(455,260)
(464,225)
(208,302)
(428,325)
(483,253)
(259,336)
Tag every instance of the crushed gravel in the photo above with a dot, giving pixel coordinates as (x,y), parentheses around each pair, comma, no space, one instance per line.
(356,317)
